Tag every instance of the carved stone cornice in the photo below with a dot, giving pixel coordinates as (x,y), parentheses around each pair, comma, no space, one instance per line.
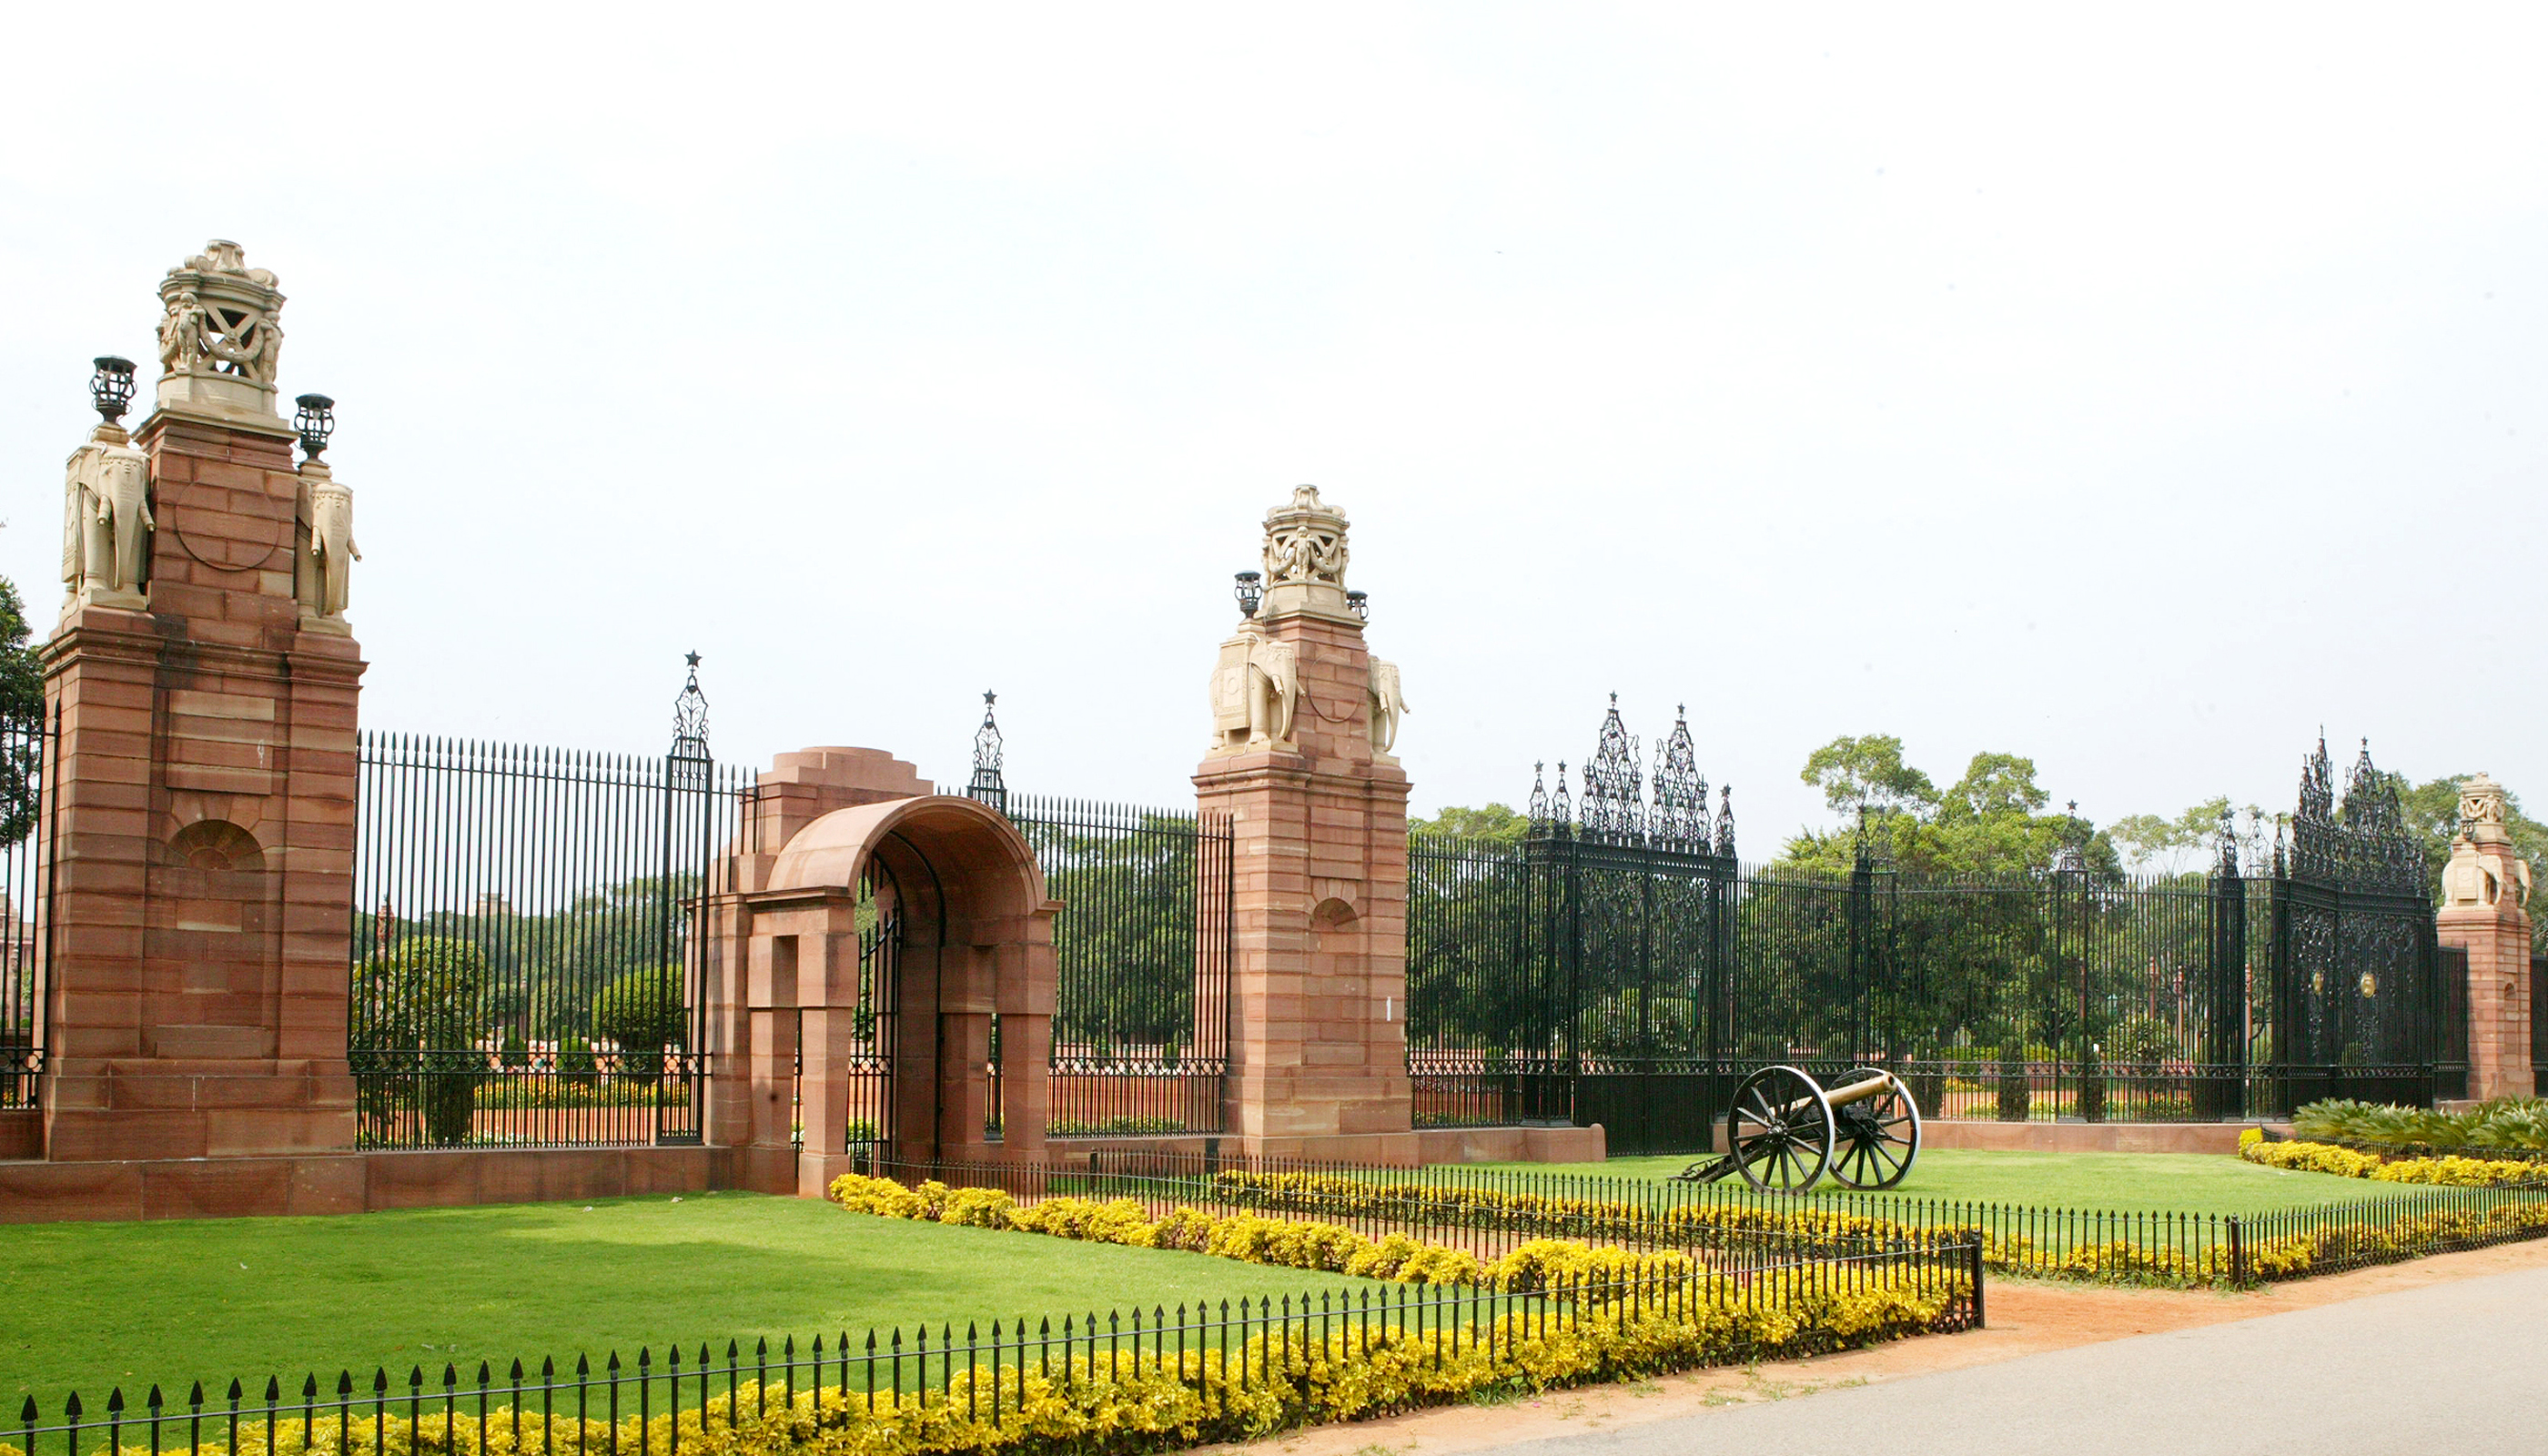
(328,656)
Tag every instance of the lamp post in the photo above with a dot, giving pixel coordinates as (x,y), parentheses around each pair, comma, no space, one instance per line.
(315,420)
(1250,592)
(110,389)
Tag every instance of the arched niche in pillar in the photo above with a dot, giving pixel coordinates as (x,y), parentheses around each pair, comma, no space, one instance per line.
(914,941)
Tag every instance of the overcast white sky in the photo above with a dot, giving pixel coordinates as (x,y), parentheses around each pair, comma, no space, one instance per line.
(2135,387)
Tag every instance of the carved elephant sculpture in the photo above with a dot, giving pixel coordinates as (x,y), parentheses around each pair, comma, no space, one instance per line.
(333,551)
(1388,703)
(1273,690)
(107,533)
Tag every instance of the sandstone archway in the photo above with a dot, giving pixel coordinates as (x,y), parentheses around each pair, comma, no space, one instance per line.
(909,938)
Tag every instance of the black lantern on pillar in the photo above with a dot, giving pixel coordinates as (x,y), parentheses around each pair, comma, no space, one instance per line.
(110,390)
(1360,601)
(1250,592)
(315,421)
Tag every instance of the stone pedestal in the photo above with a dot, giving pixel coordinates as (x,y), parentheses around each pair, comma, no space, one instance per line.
(2486,893)
(1319,822)
(202,826)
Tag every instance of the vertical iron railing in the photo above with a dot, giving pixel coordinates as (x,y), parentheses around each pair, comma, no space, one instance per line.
(1140,1028)
(2538,1025)
(26,876)
(1631,986)
(524,952)
(1225,1358)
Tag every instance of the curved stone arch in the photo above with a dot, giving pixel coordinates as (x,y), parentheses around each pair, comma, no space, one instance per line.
(976,943)
(214,845)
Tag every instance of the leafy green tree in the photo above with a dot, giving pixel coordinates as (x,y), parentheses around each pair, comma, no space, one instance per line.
(642,1011)
(22,718)
(1124,946)
(1868,773)
(1989,822)
(419,1016)
(1494,824)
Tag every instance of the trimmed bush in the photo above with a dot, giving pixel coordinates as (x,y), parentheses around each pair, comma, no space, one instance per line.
(2510,1122)
(2345,1162)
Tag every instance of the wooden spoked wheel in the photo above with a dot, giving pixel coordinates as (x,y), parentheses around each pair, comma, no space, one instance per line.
(1880,1130)
(1780,1131)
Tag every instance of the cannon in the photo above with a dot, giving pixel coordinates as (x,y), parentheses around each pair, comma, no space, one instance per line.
(1784,1132)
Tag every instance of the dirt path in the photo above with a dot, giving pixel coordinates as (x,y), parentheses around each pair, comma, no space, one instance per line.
(2026,1318)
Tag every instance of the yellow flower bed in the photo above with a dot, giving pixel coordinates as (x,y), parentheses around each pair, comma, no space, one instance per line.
(2294,1256)
(1291,1243)
(1106,1403)
(2345,1162)
(1418,1203)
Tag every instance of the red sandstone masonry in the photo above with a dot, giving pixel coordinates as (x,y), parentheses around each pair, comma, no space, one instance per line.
(213,706)
(1318,1050)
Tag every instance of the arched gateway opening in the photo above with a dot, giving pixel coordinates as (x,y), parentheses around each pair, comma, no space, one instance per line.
(899,955)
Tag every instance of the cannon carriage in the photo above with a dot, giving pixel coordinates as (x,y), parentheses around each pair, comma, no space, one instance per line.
(1784,1131)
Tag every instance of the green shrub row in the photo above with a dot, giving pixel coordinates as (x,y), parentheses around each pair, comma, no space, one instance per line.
(2510,1122)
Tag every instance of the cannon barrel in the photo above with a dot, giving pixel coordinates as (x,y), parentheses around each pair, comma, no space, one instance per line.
(1840,1097)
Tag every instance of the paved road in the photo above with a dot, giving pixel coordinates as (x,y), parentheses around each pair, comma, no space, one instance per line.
(2458,1368)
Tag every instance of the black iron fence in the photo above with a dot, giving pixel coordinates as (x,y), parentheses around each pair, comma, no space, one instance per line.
(1220,1362)
(1140,1028)
(522,947)
(24,854)
(1580,977)
(2539,1023)
(1728,1226)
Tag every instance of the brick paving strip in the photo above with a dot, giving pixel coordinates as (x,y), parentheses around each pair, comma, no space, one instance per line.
(2026,1317)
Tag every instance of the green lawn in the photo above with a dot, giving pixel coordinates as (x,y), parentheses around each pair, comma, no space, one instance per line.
(96,1305)
(2165,1182)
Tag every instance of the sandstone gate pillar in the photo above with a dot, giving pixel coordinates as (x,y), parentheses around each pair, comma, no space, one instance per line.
(201,830)
(1302,719)
(2485,894)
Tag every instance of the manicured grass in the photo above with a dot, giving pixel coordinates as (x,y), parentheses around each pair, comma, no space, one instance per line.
(2159,1182)
(96,1305)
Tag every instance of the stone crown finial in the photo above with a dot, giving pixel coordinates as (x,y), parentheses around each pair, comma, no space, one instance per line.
(1305,558)
(220,334)
(2482,810)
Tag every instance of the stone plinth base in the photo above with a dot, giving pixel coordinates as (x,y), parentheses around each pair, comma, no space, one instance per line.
(1513,1144)
(1963,1133)
(152,1109)
(22,1134)
(349,1183)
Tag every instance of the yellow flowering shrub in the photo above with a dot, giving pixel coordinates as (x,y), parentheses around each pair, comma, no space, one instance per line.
(1107,1402)
(2345,1162)
(2293,1256)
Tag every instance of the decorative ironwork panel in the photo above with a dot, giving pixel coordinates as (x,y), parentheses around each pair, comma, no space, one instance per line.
(1679,819)
(1613,976)
(1613,806)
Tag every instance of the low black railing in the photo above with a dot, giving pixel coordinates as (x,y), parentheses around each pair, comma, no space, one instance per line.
(1488,1211)
(1220,1352)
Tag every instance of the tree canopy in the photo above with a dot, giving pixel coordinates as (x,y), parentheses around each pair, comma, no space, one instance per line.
(22,718)
(1990,821)
(1499,823)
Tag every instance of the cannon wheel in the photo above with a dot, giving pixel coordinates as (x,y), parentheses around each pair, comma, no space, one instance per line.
(1880,1136)
(1780,1131)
